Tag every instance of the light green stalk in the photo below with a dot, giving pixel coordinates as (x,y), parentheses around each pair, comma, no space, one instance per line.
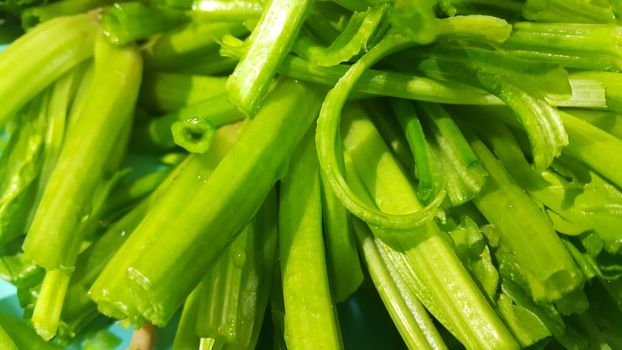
(269,42)
(59,44)
(310,315)
(442,283)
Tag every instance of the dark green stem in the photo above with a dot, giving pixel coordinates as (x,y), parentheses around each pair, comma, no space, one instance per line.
(5,340)
(411,125)
(186,337)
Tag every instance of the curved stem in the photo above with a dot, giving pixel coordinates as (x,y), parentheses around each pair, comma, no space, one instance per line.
(326,135)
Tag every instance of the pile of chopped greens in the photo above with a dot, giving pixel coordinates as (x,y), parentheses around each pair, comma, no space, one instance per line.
(300,174)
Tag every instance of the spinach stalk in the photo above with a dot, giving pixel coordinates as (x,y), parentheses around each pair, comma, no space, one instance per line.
(327,135)
(51,240)
(310,317)
(255,162)
(54,238)
(234,292)
(526,231)
(5,340)
(60,44)
(110,290)
(442,283)
(269,42)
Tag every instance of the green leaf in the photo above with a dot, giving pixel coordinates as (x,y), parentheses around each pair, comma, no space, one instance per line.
(525,325)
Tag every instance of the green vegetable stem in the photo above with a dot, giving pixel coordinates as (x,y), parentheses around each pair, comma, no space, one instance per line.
(225,190)
(422,174)
(442,283)
(60,45)
(310,318)
(269,42)
(110,290)
(234,292)
(88,145)
(54,238)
